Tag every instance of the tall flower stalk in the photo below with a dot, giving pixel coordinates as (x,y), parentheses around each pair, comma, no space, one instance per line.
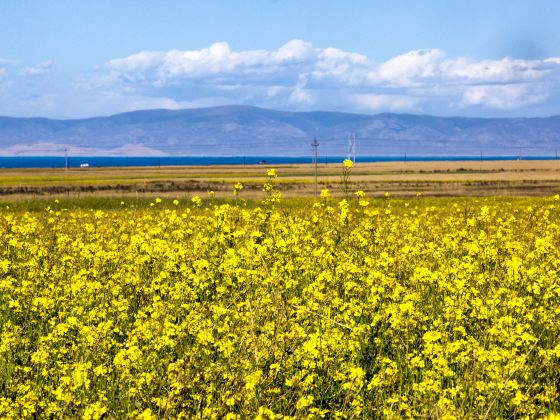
(347,166)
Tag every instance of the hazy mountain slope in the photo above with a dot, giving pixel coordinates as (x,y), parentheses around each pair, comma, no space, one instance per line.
(245,130)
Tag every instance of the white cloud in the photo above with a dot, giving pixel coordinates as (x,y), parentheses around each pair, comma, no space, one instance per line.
(301,75)
(407,69)
(273,91)
(291,62)
(37,70)
(295,76)
(498,71)
(377,102)
(301,96)
(501,96)
(294,51)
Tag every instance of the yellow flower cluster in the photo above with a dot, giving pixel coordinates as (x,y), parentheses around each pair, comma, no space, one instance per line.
(347,163)
(393,308)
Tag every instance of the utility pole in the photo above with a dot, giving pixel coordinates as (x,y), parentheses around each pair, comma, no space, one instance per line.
(556,154)
(65,158)
(352,147)
(315,146)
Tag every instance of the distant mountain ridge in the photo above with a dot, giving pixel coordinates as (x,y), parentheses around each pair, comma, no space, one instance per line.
(247,130)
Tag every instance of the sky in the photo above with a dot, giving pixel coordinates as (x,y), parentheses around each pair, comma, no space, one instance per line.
(78,58)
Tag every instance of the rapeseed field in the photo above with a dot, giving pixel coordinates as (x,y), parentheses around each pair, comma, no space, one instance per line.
(335,308)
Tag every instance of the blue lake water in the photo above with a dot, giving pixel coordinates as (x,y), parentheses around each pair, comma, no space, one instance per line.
(104,161)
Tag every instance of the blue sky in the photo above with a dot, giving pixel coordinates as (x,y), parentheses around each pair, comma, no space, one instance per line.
(78,58)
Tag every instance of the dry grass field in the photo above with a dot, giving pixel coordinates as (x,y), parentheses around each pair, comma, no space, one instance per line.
(401,179)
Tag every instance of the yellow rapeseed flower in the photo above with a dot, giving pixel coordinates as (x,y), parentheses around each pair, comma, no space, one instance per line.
(347,163)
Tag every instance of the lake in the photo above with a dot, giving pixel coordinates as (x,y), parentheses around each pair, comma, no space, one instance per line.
(120,161)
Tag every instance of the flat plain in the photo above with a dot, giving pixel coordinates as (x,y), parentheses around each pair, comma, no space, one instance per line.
(400,179)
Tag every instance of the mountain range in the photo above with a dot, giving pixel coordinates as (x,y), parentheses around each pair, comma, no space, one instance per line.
(252,131)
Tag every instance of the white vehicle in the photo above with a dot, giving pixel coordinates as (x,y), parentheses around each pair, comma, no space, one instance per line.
(84,165)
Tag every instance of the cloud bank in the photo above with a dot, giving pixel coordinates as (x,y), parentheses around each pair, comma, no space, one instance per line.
(301,75)
(296,76)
